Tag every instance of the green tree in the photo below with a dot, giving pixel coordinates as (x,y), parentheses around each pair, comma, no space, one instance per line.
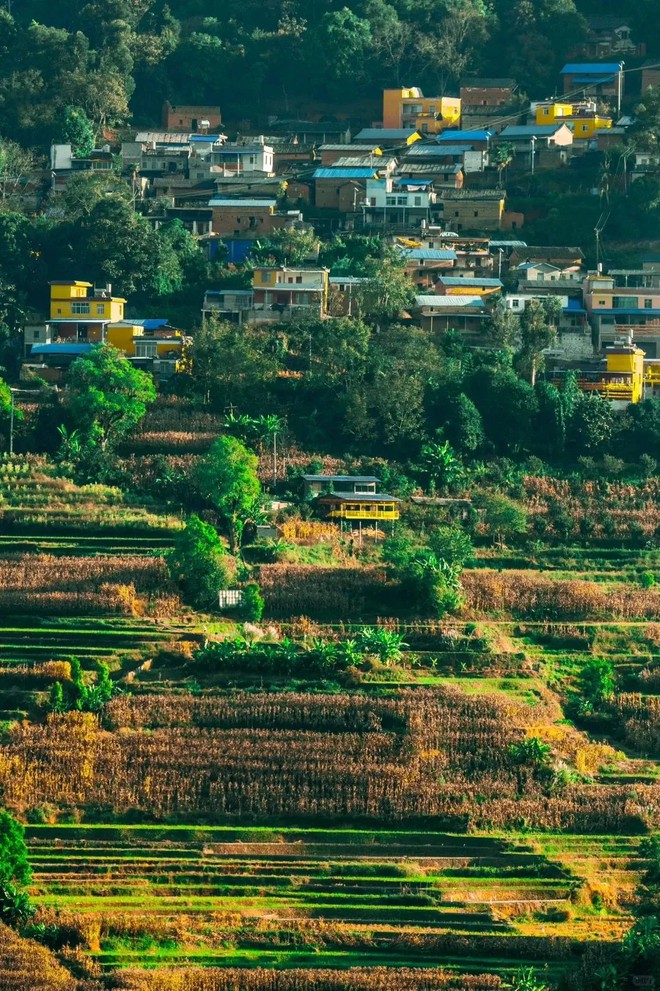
(77,130)
(463,427)
(596,683)
(502,517)
(341,42)
(15,872)
(288,246)
(441,465)
(233,365)
(197,563)
(501,158)
(227,478)
(592,424)
(451,544)
(507,404)
(14,862)
(537,331)
(16,166)
(107,396)
(253,603)
(430,585)
(388,289)
(502,326)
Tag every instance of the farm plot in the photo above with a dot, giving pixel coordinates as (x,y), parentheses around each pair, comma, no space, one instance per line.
(219,895)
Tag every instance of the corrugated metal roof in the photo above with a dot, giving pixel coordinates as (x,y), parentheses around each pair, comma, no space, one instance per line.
(403,180)
(237,201)
(342,173)
(527,130)
(385,134)
(430,254)
(476,135)
(474,281)
(593,80)
(586,68)
(77,348)
(433,151)
(340,478)
(450,302)
(508,244)
(360,497)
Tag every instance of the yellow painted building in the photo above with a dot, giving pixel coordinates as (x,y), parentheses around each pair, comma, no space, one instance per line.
(361,507)
(622,381)
(74,301)
(428,114)
(581,118)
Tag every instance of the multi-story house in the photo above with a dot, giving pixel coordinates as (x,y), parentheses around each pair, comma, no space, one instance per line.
(407,202)
(282,293)
(191,118)
(409,108)
(599,80)
(471,209)
(82,316)
(424,264)
(582,117)
(342,188)
(234,158)
(616,312)
(538,146)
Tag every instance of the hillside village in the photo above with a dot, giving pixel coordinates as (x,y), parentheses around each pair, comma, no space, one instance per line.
(432,181)
(329,495)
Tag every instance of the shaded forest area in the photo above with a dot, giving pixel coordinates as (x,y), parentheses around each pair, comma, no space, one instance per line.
(122,58)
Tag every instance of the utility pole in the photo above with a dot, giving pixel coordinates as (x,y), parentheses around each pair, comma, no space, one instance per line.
(274,458)
(11,421)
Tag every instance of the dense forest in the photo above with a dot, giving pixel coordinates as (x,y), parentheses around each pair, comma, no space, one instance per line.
(119,59)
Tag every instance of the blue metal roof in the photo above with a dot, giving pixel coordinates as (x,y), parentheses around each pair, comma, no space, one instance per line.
(403,181)
(153,323)
(385,133)
(590,68)
(574,304)
(77,348)
(530,130)
(632,312)
(342,173)
(593,80)
(430,254)
(495,283)
(448,136)
(203,138)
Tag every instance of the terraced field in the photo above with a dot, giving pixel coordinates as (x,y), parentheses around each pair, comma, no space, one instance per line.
(25,639)
(379,892)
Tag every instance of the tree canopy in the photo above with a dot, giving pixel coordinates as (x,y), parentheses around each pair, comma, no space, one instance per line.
(107,396)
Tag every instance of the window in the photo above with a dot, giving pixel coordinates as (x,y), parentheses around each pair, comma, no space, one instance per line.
(290,279)
(265,276)
(515,302)
(476,213)
(59,310)
(299,279)
(418,201)
(390,200)
(251,159)
(456,213)
(648,304)
(80,307)
(100,309)
(601,302)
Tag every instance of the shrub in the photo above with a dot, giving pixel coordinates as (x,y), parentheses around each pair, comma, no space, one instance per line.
(197,563)
(253,603)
